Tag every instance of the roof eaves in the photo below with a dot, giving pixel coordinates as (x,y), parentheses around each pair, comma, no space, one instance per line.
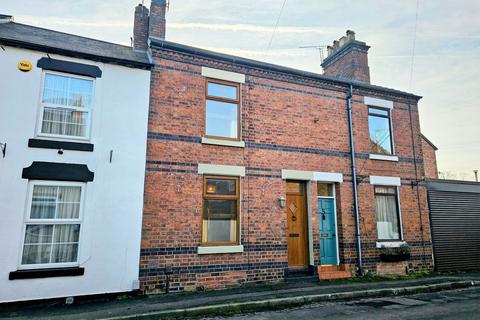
(168,45)
(429,142)
(74,53)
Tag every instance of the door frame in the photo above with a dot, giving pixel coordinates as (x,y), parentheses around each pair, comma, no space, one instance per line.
(308,214)
(334,197)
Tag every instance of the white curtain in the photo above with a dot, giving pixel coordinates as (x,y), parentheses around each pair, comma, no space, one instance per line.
(53,243)
(66,92)
(387,217)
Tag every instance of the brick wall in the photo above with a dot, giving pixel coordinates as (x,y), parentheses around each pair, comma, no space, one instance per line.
(288,122)
(430,160)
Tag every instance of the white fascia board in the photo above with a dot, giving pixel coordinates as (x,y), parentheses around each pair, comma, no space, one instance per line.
(220,169)
(385,181)
(220,249)
(376,102)
(227,143)
(297,175)
(328,177)
(383,157)
(223,75)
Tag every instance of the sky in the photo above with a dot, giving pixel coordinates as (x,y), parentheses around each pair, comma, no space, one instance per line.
(446,63)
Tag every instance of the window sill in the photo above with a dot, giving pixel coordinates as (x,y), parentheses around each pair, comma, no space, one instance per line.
(219,142)
(55,144)
(220,249)
(46,273)
(390,244)
(383,157)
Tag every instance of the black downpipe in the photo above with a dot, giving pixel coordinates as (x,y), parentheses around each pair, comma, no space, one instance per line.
(354,182)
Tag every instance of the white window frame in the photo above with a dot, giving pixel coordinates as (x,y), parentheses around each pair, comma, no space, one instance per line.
(28,221)
(387,157)
(41,107)
(399,213)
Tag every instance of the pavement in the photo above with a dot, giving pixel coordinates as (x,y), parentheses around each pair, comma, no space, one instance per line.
(238,300)
(460,304)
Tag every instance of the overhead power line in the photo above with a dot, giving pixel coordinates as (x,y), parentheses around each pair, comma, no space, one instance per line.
(276,25)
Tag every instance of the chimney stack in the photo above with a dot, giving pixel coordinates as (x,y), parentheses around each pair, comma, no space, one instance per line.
(140,28)
(156,26)
(347,58)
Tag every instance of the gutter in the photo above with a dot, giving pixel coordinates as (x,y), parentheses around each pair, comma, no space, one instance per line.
(354,181)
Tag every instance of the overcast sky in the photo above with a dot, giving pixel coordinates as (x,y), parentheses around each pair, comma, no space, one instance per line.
(446,65)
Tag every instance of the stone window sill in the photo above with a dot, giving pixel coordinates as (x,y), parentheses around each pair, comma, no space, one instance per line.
(383,157)
(390,244)
(227,143)
(220,249)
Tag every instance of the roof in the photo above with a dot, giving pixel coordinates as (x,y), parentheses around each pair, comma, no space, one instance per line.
(164,44)
(428,141)
(453,185)
(50,41)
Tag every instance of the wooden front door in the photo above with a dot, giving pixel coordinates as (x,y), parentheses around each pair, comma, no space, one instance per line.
(297,222)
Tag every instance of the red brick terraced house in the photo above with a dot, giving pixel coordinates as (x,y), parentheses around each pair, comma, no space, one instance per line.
(258,172)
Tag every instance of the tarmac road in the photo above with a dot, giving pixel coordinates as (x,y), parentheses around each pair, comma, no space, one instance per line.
(455,304)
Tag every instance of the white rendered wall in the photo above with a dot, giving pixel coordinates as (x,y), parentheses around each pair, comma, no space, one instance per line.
(111,229)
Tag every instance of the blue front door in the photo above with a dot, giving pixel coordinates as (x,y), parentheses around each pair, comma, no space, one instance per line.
(328,233)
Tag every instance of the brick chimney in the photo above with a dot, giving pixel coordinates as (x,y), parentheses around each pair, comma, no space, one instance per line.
(157,22)
(140,28)
(347,58)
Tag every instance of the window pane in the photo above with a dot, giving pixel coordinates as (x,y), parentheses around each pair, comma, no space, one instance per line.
(67,91)
(66,233)
(68,202)
(383,189)
(64,253)
(221,187)
(221,119)
(325,189)
(294,187)
(220,221)
(379,129)
(222,91)
(378,111)
(43,202)
(387,217)
(38,233)
(34,254)
(64,122)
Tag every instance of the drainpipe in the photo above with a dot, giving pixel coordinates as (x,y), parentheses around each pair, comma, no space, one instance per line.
(354,182)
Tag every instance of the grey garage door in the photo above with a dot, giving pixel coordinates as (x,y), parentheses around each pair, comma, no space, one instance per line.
(455,224)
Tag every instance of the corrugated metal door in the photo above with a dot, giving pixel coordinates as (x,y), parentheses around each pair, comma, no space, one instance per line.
(455,225)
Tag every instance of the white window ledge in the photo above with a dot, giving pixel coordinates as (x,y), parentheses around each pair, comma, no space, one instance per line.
(219,142)
(390,244)
(383,157)
(220,249)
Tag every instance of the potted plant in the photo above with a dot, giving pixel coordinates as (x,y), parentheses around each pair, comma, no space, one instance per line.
(395,254)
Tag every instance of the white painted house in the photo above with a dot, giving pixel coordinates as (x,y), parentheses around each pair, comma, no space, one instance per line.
(73,132)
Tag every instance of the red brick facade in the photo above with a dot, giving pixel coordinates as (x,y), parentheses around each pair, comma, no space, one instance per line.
(287,122)
(429,159)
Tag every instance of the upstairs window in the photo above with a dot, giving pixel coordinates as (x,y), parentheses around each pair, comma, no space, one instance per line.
(222,110)
(220,210)
(66,106)
(386,207)
(380,129)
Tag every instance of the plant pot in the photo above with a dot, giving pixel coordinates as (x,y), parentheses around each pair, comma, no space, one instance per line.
(394,257)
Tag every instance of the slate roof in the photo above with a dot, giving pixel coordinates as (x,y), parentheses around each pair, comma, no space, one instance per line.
(50,41)
(169,45)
